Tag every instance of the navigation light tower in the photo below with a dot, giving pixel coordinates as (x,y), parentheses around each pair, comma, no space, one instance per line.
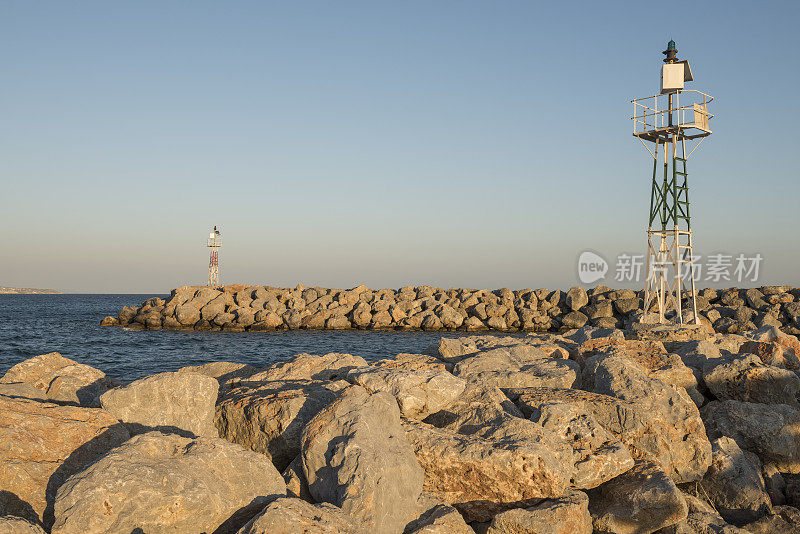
(214,243)
(666,122)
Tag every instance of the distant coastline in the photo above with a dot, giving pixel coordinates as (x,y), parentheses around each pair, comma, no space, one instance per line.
(27,291)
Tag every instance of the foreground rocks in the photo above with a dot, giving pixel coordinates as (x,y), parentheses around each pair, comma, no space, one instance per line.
(157,482)
(264,308)
(591,430)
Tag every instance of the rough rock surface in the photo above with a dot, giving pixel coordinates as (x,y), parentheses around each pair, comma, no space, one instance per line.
(269,417)
(355,456)
(480,476)
(782,520)
(418,393)
(41,444)
(61,379)
(439,519)
(172,402)
(684,451)
(734,483)
(770,431)
(17,525)
(565,515)
(159,482)
(295,516)
(598,455)
(331,366)
(640,501)
(747,378)
(519,366)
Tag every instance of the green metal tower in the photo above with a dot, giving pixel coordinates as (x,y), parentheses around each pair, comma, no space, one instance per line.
(668,120)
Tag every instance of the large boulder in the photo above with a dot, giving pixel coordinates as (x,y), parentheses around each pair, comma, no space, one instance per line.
(598,455)
(41,444)
(61,379)
(171,402)
(418,393)
(288,515)
(747,378)
(773,347)
(159,482)
(269,417)
(640,501)
(519,366)
(330,366)
(565,515)
(770,431)
(453,350)
(681,447)
(481,476)
(734,483)
(782,520)
(355,456)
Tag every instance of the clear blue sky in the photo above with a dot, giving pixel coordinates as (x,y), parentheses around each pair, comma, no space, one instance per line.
(480,144)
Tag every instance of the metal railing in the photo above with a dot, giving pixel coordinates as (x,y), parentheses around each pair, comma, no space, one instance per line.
(689,109)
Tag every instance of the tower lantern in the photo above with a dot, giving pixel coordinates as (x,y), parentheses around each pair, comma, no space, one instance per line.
(667,122)
(214,242)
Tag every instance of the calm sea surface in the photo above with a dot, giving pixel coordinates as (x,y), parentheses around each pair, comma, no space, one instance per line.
(69,324)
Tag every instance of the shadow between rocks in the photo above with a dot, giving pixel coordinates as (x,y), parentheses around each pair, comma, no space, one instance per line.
(11,504)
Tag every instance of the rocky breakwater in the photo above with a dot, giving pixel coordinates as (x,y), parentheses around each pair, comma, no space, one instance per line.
(261,308)
(579,432)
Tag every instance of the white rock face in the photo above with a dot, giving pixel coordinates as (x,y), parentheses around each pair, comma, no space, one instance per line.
(172,402)
(355,456)
(167,483)
(418,393)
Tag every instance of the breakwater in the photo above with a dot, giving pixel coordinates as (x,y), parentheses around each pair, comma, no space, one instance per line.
(264,308)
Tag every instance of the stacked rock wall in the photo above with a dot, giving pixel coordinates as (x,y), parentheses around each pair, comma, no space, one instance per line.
(263,308)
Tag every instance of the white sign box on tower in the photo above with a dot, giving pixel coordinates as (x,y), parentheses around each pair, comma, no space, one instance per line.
(671,77)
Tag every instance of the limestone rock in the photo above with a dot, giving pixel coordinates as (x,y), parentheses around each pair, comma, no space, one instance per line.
(311,367)
(413,362)
(519,366)
(439,519)
(453,350)
(61,379)
(577,298)
(355,456)
(677,441)
(782,520)
(269,417)
(295,479)
(565,515)
(17,525)
(480,476)
(41,444)
(172,402)
(159,482)
(418,393)
(734,483)
(747,378)
(770,431)
(598,455)
(640,501)
(288,515)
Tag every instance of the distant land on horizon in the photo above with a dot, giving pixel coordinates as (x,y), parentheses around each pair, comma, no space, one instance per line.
(27,291)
